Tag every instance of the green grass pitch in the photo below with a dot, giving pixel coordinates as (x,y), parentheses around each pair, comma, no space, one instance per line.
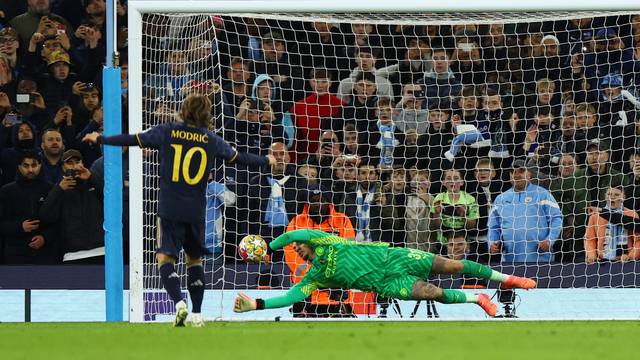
(323,340)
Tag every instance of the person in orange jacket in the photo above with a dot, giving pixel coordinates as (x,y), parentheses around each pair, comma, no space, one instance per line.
(608,241)
(318,214)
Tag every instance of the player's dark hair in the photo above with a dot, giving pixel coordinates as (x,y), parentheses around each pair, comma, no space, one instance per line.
(196,111)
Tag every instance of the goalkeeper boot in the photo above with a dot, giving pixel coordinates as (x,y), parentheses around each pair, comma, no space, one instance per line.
(485,303)
(196,320)
(181,314)
(513,281)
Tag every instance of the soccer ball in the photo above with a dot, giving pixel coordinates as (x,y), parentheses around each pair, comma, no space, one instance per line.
(252,249)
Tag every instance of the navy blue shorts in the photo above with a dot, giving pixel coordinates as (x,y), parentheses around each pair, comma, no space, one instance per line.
(176,235)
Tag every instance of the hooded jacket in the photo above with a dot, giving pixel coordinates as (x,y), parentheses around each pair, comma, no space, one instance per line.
(9,157)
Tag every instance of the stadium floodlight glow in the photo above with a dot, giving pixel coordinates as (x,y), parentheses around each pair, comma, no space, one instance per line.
(205,34)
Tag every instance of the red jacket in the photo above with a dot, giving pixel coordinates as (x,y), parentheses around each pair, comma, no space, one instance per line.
(307,115)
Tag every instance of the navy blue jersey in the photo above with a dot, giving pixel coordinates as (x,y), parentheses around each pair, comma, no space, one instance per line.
(186,156)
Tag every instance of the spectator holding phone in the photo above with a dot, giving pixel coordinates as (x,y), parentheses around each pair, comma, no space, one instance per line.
(76,208)
(86,102)
(7,80)
(9,118)
(38,18)
(30,103)
(329,150)
(410,111)
(38,51)
(9,45)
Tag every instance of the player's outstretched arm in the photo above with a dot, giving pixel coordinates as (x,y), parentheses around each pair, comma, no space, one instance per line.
(301,235)
(244,303)
(122,140)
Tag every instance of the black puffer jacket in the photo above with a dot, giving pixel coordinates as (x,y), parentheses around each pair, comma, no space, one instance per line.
(78,214)
(19,201)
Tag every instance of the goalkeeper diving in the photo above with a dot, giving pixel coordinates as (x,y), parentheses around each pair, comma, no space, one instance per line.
(390,272)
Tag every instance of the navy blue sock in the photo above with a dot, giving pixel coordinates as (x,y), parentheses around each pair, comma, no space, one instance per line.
(171,281)
(195,284)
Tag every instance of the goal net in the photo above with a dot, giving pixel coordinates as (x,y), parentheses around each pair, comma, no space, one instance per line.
(510,139)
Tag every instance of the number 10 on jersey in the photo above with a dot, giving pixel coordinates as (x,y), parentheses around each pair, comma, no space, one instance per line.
(186,164)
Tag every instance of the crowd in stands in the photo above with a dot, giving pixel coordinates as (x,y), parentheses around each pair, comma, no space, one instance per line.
(501,142)
(51,57)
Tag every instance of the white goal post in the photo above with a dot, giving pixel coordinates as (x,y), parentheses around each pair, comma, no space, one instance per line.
(450,12)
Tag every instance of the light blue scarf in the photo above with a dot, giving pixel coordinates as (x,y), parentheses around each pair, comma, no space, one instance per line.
(276,214)
(615,235)
(386,144)
(363,204)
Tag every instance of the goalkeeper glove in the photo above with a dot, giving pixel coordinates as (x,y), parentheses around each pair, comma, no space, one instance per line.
(244,303)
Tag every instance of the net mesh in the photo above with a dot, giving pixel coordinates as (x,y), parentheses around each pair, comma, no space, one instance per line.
(411,125)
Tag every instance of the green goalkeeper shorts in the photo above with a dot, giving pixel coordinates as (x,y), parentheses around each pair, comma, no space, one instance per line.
(405,267)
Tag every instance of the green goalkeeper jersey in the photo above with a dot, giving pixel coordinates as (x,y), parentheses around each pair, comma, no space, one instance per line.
(338,263)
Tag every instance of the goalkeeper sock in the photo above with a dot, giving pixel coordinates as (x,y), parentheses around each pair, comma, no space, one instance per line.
(195,285)
(456,297)
(171,281)
(474,269)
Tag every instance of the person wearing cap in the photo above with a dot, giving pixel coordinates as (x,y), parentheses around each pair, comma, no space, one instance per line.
(600,172)
(320,214)
(552,64)
(281,67)
(38,51)
(618,106)
(525,221)
(26,239)
(468,63)
(609,56)
(75,206)
(58,84)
